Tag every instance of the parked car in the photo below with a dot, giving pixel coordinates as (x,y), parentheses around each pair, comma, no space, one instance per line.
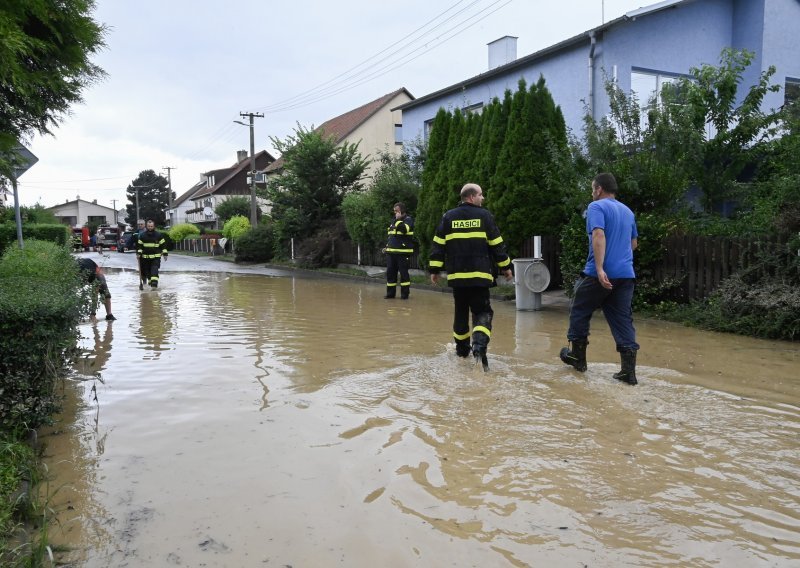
(127,241)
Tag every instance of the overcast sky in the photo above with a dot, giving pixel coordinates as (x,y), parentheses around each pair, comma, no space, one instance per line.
(180,71)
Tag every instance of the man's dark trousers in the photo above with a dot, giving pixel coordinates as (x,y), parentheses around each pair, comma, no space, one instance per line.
(616,305)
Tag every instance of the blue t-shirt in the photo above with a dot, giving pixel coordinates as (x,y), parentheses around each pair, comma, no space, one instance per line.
(619,226)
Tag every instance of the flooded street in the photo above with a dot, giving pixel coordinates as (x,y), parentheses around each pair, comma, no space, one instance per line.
(244,420)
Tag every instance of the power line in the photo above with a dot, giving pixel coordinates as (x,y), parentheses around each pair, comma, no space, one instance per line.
(399,63)
(337,78)
(318,93)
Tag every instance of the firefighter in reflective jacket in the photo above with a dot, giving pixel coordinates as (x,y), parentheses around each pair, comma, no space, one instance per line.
(468,245)
(150,248)
(399,248)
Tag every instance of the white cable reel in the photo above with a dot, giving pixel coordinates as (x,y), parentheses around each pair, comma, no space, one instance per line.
(536,277)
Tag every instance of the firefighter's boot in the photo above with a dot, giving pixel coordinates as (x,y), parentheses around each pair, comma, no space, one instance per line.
(480,343)
(462,347)
(390,292)
(575,357)
(628,372)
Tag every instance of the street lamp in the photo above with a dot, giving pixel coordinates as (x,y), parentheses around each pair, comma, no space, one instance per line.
(253,204)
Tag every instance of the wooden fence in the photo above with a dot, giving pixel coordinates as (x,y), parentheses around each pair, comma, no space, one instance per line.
(695,264)
(208,246)
(699,264)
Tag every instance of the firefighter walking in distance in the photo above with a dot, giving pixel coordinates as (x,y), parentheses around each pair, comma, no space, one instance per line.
(468,245)
(399,248)
(151,247)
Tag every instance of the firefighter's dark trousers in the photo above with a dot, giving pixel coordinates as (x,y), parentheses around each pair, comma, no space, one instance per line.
(150,267)
(397,263)
(474,299)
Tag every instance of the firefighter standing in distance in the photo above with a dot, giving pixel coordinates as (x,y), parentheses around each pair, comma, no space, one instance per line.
(151,248)
(399,248)
(468,245)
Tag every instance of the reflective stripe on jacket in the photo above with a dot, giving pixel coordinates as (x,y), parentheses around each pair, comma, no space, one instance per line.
(468,245)
(401,236)
(151,244)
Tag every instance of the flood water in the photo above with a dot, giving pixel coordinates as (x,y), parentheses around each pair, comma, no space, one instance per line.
(234,420)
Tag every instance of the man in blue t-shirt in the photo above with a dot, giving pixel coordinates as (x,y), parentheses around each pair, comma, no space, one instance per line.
(607,280)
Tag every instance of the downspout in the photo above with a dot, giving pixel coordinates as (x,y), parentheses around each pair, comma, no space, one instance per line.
(592,45)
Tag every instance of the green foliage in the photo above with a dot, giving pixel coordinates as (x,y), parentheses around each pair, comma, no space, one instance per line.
(740,131)
(45,47)
(232,207)
(18,469)
(35,214)
(235,227)
(256,245)
(526,194)
(517,150)
(182,231)
(153,198)
(574,249)
(57,233)
(433,198)
(367,214)
(317,174)
(40,305)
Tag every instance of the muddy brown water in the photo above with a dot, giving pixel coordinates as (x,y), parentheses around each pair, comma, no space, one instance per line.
(230,420)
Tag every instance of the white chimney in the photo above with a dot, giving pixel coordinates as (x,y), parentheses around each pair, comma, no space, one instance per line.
(241,155)
(502,51)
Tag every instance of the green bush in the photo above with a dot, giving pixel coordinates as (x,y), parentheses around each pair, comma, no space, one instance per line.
(59,234)
(256,245)
(235,227)
(182,231)
(41,304)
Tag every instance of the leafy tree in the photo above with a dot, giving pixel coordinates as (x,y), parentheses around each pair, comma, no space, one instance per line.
(317,174)
(233,206)
(153,199)
(235,227)
(367,214)
(740,132)
(45,46)
(648,158)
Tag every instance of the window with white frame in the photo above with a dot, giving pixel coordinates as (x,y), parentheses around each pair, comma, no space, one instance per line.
(398,133)
(427,128)
(791,91)
(646,86)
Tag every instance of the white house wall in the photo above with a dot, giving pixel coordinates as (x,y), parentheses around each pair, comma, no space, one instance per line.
(377,133)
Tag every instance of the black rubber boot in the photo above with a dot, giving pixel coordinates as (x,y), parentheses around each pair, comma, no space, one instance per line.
(390,292)
(575,357)
(628,372)
(480,342)
(462,347)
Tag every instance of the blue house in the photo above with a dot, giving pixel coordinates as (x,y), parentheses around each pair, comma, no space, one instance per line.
(640,51)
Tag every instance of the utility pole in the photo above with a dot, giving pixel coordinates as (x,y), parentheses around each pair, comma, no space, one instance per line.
(114,203)
(253,204)
(136,187)
(169,192)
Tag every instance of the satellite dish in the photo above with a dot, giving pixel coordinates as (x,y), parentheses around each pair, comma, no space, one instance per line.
(207,211)
(536,277)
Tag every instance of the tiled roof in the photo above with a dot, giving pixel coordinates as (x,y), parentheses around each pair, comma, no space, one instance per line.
(226,174)
(187,194)
(343,125)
